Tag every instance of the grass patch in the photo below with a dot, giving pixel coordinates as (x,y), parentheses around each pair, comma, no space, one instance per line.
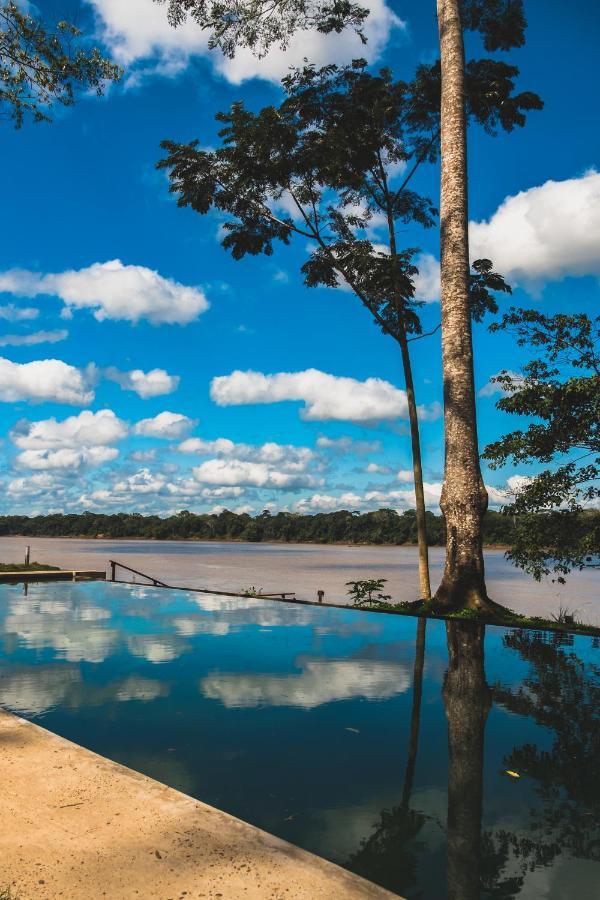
(29,567)
(564,622)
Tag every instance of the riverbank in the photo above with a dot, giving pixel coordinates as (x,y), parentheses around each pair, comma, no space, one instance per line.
(83,827)
(229,540)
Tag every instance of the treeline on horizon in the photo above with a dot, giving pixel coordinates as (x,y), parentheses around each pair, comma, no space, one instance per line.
(385,526)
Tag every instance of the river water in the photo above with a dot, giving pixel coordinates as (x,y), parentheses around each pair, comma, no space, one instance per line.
(307,568)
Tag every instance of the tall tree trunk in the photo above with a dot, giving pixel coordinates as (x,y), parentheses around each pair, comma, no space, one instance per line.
(464,498)
(424,583)
(467,702)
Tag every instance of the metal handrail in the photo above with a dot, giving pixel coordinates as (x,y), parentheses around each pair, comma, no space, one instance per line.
(277,595)
(114,563)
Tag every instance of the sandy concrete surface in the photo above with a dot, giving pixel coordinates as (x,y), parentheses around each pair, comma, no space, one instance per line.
(77,826)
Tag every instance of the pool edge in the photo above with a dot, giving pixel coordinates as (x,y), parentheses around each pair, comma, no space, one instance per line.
(83,826)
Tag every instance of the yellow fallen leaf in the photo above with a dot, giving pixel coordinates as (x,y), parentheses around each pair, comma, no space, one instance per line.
(512,774)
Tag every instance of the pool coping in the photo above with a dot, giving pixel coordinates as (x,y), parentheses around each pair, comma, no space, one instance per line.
(82,826)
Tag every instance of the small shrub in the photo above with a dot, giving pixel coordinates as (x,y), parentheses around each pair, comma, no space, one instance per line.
(564,616)
(368,592)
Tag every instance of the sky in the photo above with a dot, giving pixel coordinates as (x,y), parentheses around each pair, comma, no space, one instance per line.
(143,369)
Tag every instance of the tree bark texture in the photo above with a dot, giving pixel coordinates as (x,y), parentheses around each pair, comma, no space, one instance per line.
(464,498)
(467,701)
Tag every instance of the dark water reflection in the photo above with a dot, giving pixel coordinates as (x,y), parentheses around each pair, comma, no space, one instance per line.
(370,739)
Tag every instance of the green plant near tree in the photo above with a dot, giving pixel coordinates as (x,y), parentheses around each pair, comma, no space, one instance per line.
(368,592)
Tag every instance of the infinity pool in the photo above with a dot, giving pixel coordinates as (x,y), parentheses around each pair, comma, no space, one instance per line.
(359,736)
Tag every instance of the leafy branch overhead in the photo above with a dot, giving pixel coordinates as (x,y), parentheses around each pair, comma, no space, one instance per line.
(560,390)
(298,170)
(39,67)
(260,24)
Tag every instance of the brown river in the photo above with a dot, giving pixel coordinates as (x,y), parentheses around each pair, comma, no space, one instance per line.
(305,569)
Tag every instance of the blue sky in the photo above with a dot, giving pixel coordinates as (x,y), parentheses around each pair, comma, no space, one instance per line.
(93,425)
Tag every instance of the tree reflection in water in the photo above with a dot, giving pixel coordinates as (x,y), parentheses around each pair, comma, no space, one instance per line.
(389,856)
(560,693)
(467,702)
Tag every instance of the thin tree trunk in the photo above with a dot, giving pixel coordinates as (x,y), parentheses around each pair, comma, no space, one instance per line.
(415,718)
(464,498)
(424,583)
(467,702)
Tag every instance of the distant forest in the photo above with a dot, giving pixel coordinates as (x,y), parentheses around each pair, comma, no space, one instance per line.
(385,526)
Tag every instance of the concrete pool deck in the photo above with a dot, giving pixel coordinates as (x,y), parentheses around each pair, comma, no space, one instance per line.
(79,827)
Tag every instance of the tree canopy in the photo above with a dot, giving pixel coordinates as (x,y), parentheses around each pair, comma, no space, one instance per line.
(39,68)
(260,24)
(298,169)
(557,528)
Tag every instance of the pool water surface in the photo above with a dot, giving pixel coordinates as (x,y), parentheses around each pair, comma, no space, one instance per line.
(369,739)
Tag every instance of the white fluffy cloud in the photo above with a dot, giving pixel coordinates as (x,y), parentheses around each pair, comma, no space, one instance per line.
(493,387)
(326,397)
(329,502)
(140,38)
(143,482)
(36,337)
(85,430)
(43,379)
(166,425)
(255,474)
(33,486)
(393,498)
(269,453)
(376,469)
(146,487)
(401,499)
(11,313)
(70,444)
(114,291)
(427,282)
(320,681)
(545,233)
(155,383)
(67,458)
(37,690)
(345,444)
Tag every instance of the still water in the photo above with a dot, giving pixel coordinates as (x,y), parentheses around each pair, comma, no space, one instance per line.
(360,736)
(307,568)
